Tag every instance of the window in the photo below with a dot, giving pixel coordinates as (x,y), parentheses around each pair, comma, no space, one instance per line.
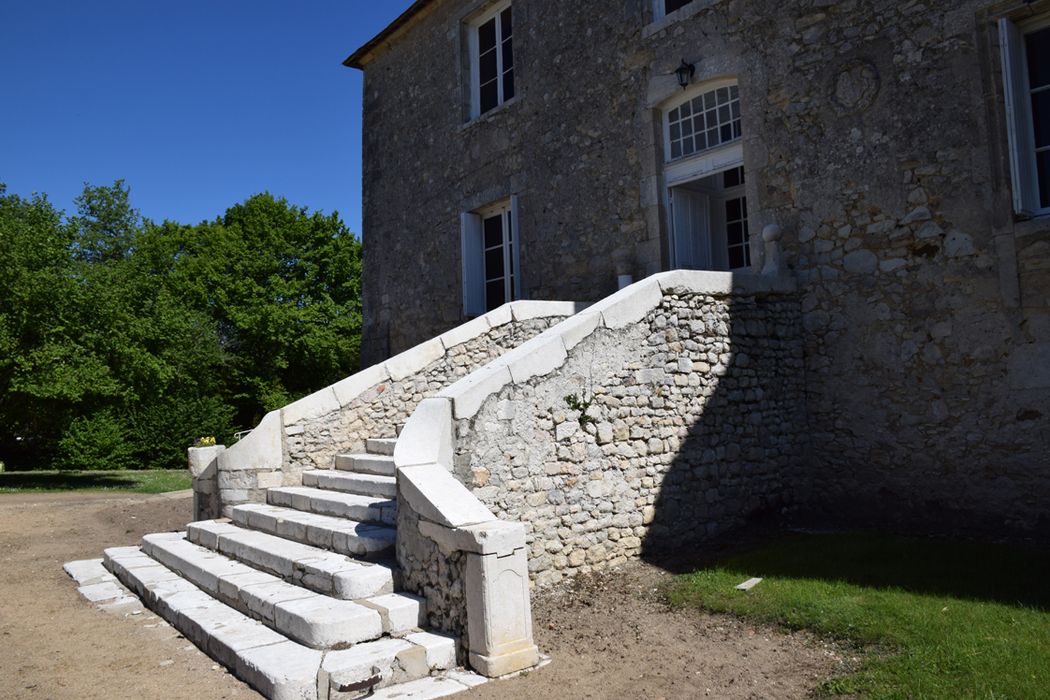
(490,257)
(738,247)
(492,59)
(706,121)
(672,5)
(1026,78)
(498,243)
(709,222)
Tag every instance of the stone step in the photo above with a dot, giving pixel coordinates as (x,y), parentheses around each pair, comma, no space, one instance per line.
(366,464)
(366,509)
(270,663)
(429,688)
(354,539)
(352,482)
(380,446)
(390,662)
(319,570)
(312,619)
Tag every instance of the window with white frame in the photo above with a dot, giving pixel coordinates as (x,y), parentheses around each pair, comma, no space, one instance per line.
(490,257)
(1026,79)
(491,40)
(704,122)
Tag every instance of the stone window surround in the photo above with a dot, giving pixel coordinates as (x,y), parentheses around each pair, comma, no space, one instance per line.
(469,44)
(660,21)
(663,98)
(1009,229)
(472,251)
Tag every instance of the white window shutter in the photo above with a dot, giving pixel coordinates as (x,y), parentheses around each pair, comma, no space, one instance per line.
(1018,118)
(473,264)
(515,248)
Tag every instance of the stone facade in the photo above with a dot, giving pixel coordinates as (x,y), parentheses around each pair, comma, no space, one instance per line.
(694,423)
(874,134)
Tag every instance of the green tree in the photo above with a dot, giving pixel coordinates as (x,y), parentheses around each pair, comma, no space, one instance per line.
(122,340)
(284,288)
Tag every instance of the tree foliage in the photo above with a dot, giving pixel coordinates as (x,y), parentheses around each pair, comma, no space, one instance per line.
(122,340)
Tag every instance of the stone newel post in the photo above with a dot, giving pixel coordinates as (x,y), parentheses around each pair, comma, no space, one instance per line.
(204,468)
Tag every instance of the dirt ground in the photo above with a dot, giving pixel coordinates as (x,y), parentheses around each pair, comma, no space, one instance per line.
(608,636)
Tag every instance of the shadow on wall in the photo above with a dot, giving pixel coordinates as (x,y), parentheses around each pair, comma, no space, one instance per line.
(733,387)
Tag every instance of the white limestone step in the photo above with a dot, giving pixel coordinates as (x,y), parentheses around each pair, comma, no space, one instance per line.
(312,619)
(429,688)
(278,668)
(380,446)
(319,570)
(366,509)
(355,539)
(352,482)
(387,662)
(366,464)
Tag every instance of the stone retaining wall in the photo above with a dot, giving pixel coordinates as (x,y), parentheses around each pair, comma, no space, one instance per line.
(695,422)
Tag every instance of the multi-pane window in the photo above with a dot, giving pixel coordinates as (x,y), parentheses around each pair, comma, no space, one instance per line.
(1037,53)
(737,246)
(1026,79)
(493,60)
(498,243)
(704,122)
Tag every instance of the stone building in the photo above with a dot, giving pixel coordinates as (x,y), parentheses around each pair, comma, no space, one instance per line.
(878,354)
(541,149)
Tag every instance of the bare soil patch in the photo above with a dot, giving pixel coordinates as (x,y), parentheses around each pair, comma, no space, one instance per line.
(609,635)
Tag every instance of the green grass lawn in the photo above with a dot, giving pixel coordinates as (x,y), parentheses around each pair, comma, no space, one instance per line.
(146,481)
(938,619)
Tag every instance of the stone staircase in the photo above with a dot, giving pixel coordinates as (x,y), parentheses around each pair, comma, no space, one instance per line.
(298,596)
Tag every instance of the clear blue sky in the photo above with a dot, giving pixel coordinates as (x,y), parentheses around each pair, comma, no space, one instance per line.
(197,104)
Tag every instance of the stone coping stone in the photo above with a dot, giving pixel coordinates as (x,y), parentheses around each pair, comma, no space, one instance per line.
(436,495)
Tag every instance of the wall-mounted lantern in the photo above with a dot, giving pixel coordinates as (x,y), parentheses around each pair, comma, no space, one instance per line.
(685,73)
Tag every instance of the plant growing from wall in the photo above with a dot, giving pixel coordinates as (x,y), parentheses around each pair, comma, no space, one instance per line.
(575,403)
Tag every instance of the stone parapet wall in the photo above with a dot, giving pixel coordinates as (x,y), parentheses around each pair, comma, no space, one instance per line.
(308,433)
(694,422)
(378,412)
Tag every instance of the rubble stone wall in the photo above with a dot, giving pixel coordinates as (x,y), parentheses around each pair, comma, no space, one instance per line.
(694,422)
(382,409)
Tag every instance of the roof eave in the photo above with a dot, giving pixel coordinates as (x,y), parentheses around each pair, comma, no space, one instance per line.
(360,58)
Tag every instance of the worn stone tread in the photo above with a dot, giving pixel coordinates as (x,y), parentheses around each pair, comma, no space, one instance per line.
(422,689)
(311,567)
(340,535)
(366,464)
(307,617)
(334,503)
(372,485)
(380,446)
